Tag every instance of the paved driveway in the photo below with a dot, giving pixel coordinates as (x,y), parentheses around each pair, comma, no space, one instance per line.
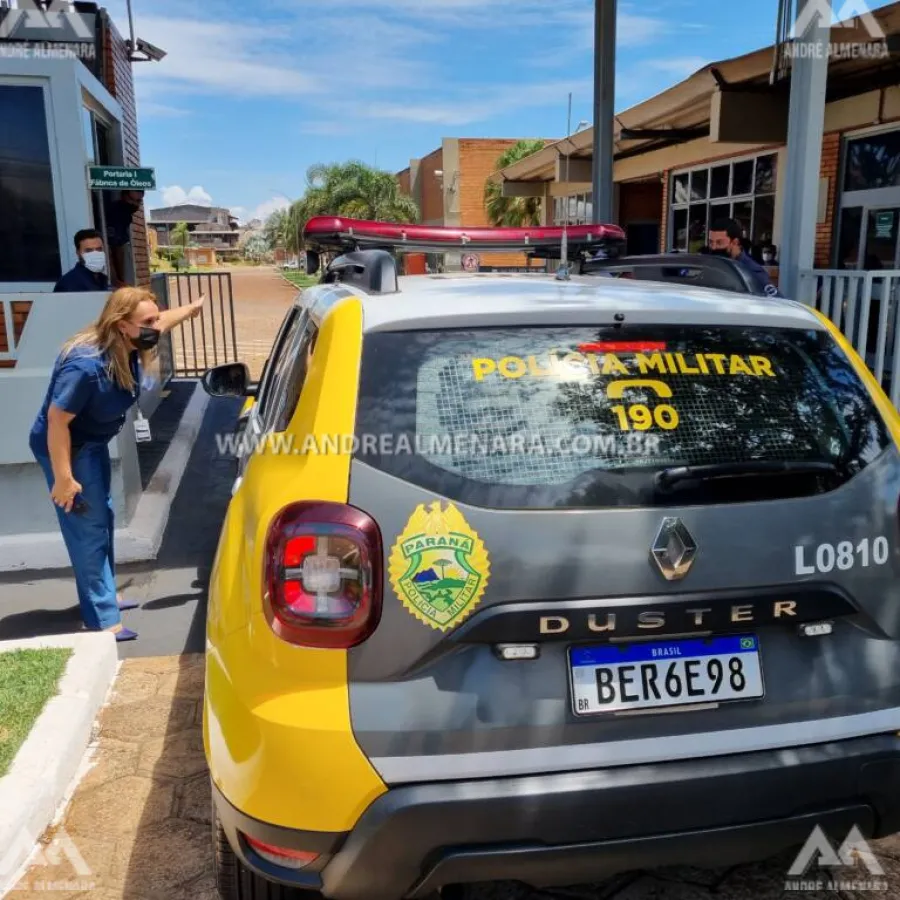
(140,819)
(261,299)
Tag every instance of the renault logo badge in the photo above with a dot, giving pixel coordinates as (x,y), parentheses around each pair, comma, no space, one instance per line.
(674,550)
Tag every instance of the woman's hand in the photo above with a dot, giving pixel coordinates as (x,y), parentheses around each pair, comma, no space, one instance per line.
(171,318)
(64,493)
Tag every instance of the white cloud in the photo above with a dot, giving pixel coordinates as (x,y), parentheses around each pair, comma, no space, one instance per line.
(220,56)
(679,66)
(264,210)
(151,109)
(261,212)
(474,105)
(177,195)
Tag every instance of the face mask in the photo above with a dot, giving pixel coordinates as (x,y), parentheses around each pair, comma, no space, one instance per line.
(94,260)
(147,339)
(723,251)
(767,257)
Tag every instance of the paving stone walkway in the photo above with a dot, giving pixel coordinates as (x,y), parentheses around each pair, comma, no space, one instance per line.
(140,818)
(138,826)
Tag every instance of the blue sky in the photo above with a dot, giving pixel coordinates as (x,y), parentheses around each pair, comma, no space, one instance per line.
(254,92)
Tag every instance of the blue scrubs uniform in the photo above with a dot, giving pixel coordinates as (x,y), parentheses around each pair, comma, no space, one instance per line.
(81,385)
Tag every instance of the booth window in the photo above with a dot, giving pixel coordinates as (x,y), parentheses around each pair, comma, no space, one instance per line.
(29,237)
(742,189)
(581,209)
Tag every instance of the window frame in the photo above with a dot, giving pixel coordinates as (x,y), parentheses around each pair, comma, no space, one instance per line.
(277,418)
(267,383)
(585,199)
(44,84)
(730,199)
(866,199)
(59,79)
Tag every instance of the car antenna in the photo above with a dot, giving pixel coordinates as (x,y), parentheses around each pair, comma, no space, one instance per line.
(562,274)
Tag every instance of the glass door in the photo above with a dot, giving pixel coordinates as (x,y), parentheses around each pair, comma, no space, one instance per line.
(880,246)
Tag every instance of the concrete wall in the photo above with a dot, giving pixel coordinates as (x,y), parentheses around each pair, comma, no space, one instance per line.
(26,507)
(429,195)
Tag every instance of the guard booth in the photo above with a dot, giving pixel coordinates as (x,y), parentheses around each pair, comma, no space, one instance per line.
(66,83)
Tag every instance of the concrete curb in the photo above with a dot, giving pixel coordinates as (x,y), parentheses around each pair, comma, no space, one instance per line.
(140,540)
(287,280)
(44,767)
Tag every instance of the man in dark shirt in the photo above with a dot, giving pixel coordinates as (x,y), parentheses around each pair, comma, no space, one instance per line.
(725,239)
(119,215)
(89,273)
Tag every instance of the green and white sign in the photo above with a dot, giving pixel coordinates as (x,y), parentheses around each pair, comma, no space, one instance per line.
(884,225)
(121,178)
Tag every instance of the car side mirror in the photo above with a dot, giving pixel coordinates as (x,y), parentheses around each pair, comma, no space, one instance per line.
(312,262)
(229,380)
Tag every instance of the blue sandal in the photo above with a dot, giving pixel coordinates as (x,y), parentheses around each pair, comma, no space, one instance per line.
(126,634)
(125,605)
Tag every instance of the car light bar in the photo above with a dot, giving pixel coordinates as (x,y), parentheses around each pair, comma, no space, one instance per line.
(343,234)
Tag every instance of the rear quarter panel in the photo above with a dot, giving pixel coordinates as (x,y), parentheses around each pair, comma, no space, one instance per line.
(276,720)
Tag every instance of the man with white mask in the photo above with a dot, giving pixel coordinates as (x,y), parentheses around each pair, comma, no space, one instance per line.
(89,274)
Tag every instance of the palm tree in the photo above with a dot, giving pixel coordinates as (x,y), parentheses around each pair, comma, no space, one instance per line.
(350,189)
(513,212)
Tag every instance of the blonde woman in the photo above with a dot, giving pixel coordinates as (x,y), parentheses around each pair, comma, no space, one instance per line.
(96,380)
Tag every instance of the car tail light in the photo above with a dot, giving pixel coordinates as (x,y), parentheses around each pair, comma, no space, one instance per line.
(281,856)
(323,575)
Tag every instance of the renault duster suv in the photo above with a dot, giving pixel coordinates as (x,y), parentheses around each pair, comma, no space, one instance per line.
(546,579)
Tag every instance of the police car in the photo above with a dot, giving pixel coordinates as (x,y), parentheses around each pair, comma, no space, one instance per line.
(547,578)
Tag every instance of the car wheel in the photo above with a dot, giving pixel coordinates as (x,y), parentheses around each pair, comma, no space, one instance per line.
(236,882)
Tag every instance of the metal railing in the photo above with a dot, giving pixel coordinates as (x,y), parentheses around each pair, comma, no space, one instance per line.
(207,341)
(864,306)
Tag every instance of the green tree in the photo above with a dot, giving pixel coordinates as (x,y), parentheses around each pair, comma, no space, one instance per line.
(256,246)
(275,228)
(351,189)
(181,236)
(513,212)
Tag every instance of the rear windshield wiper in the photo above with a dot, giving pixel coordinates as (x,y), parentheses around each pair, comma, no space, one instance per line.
(759,468)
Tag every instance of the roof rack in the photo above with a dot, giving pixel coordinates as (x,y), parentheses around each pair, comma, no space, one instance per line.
(336,233)
(694,269)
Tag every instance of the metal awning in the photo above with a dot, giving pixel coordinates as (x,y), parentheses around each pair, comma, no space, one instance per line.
(683,111)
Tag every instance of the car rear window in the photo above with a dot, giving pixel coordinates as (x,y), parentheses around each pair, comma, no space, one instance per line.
(586,417)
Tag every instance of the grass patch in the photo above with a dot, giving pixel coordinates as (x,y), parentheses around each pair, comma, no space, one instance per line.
(301,279)
(28,679)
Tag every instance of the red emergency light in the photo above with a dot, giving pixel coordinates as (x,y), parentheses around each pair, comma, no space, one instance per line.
(623,347)
(338,233)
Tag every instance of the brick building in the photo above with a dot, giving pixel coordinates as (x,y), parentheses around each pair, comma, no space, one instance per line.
(714,145)
(448,185)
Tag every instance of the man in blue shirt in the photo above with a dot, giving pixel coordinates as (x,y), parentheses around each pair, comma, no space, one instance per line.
(89,274)
(725,239)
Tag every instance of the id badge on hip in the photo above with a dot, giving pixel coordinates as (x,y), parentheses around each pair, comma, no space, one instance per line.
(142,429)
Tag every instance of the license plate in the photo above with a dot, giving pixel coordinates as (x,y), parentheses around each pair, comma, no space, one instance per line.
(667,673)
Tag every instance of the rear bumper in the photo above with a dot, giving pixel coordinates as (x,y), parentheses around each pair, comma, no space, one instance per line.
(565,829)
